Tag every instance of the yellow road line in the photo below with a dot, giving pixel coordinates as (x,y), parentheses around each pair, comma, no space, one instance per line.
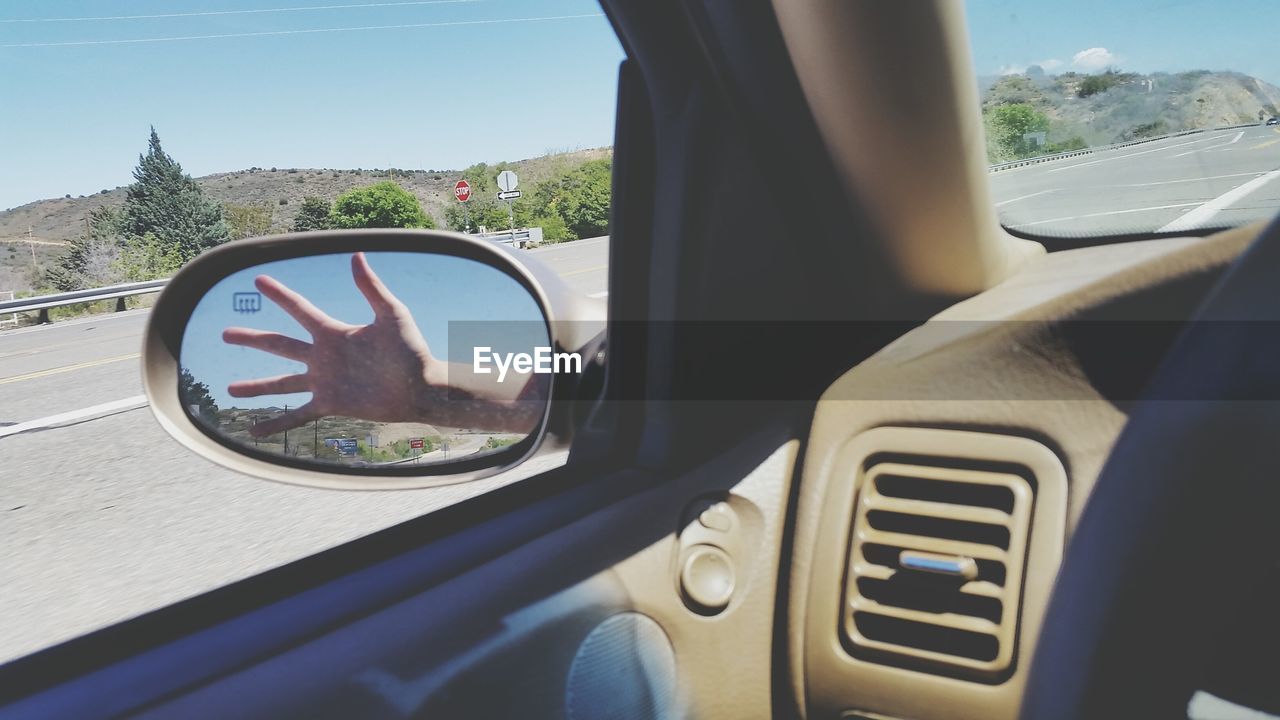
(1262,145)
(68,368)
(597,268)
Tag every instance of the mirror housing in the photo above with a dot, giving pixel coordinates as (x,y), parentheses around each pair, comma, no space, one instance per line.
(573,322)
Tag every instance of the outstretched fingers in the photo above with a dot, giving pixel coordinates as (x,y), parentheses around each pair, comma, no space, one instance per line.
(279,385)
(288,421)
(372,287)
(308,316)
(271,342)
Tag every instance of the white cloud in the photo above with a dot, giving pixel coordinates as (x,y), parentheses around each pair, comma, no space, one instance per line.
(1012,69)
(1050,64)
(1094,59)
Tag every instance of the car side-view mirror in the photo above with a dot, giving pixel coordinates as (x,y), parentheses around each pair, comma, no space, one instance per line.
(362,359)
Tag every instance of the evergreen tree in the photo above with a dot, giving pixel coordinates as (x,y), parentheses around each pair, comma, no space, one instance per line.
(165,202)
(195,396)
(313,215)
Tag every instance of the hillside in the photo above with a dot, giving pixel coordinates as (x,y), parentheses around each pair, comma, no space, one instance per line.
(53,222)
(1118,106)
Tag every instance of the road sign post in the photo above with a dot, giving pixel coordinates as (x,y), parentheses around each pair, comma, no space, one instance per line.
(507,183)
(462,191)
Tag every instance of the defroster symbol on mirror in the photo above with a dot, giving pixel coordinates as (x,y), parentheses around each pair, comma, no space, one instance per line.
(246,302)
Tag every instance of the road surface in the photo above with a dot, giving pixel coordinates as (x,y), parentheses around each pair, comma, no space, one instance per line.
(108,518)
(1218,178)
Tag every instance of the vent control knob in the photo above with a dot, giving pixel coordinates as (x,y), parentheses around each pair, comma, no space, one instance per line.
(707,578)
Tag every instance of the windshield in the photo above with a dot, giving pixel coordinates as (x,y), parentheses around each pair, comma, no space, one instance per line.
(1129,116)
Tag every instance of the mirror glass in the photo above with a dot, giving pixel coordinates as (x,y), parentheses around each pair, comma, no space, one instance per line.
(368,359)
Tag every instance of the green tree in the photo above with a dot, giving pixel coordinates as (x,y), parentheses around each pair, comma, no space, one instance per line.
(381,205)
(196,398)
(553,227)
(313,214)
(165,202)
(148,258)
(580,196)
(246,221)
(1007,127)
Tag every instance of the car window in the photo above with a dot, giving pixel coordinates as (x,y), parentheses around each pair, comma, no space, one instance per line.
(1129,116)
(137,135)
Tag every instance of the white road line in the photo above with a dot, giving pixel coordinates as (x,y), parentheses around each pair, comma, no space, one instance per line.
(1206,212)
(76,416)
(602,293)
(1144,152)
(1232,141)
(1103,214)
(1187,180)
(1002,203)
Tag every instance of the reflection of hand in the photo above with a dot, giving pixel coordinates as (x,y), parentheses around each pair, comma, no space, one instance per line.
(374,372)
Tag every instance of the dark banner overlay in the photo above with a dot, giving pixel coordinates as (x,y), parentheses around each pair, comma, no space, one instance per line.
(1094,360)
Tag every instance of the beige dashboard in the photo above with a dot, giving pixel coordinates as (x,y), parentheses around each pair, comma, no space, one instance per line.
(943,476)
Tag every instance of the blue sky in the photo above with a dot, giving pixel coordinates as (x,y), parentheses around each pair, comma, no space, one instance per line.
(1137,35)
(513,84)
(450,298)
(442,95)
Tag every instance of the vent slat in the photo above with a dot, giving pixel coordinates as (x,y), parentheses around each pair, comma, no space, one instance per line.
(973,587)
(947,620)
(931,544)
(966,513)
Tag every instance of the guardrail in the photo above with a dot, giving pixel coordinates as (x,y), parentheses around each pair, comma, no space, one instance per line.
(43,303)
(519,237)
(1103,148)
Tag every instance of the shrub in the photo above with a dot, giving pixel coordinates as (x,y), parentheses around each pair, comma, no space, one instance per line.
(248,220)
(313,214)
(381,205)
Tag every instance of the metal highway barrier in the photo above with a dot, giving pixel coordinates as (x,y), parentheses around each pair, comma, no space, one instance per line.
(517,238)
(118,293)
(1103,148)
(42,303)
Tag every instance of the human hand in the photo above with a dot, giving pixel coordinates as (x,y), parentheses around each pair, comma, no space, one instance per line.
(372,372)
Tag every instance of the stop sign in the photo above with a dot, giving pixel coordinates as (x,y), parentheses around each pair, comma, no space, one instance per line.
(462,190)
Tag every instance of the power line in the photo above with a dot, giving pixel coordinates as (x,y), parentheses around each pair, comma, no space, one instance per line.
(235,12)
(304,32)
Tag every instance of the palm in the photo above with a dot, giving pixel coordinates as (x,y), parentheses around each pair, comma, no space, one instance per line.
(365,371)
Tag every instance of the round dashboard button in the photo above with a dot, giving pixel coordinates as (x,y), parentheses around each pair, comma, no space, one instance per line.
(707,577)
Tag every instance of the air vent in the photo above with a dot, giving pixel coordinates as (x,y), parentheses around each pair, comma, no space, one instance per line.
(937,565)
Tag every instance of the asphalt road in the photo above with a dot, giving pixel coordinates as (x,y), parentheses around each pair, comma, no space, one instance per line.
(108,518)
(1224,177)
